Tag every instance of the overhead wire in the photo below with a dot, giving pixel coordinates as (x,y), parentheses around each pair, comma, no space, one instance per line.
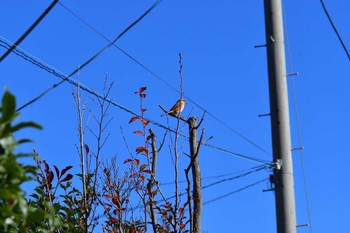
(165,82)
(91,58)
(29,30)
(18,51)
(241,174)
(335,29)
(255,169)
(235,191)
(296,113)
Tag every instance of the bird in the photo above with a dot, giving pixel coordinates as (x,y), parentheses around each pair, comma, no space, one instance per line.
(177,108)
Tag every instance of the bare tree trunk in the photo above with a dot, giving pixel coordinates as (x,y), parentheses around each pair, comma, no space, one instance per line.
(152,181)
(196,175)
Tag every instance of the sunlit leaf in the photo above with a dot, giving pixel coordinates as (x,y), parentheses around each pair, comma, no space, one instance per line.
(138,132)
(24,125)
(182,226)
(142,89)
(142,178)
(8,106)
(134,118)
(149,137)
(141,149)
(136,162)
(127,161)
(145,122)
(143,166)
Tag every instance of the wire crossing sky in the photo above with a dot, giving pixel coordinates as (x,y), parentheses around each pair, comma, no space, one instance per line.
(223,73)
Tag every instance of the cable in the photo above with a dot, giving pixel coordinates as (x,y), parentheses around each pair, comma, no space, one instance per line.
(221,181)
(234,192)
(256,160)
(335,29)
(64,77)
(223,175)
(92,58)
(298,124)
(29,30)
(235,177)
(165,82)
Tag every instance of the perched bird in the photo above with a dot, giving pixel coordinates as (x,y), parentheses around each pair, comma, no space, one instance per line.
(177,108)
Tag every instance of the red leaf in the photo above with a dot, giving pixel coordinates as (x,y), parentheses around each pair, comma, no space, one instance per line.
(142,89)
(138,132)
(143,109)
(182,226)
(107,196)
(142,178)
(65,170)
(145,122)
(149,137)
(47,168)
(143,95)
(154,192)
(136,162)
(50,177)
(57,171)
(132,175)
(141,149)
(86,148)
(134,118)
(181,210)
(127,160)
(68,177)
(116,201)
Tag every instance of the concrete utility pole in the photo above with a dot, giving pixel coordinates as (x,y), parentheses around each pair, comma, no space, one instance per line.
(279,110)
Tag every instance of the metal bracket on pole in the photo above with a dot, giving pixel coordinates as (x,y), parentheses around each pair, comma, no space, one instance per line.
(303,225)
(293,74)
(298,148)
(264,115)
(260,46)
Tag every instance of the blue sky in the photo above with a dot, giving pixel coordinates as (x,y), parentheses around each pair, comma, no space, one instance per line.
(223,73)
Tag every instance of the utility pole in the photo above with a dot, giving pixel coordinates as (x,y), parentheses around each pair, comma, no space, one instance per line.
(279,111)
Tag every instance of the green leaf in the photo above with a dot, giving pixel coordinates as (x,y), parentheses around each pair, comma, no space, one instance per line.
(24,125)
(8,107)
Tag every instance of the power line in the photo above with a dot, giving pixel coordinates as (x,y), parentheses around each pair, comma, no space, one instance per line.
(93,57)
(165,82)
(241,174)
(57,73)
(29,30)
(235,177)
(335,29)
(225,180)
(235,191)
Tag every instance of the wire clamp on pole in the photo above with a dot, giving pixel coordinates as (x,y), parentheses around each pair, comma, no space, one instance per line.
(277,164)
